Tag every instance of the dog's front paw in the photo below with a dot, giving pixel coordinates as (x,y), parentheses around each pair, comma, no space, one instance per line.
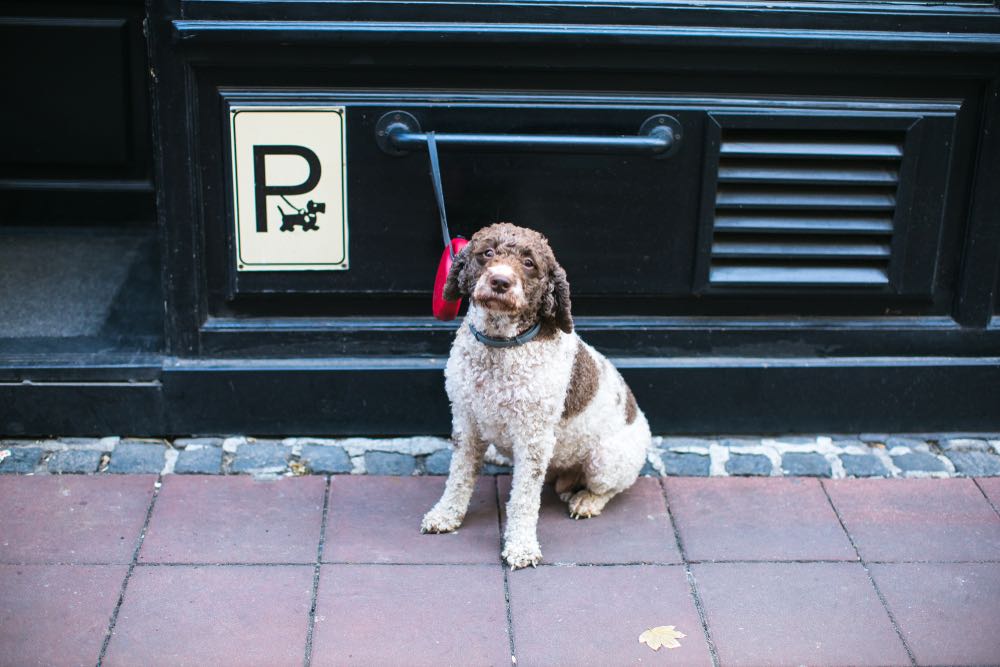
(437,521)
(518,556)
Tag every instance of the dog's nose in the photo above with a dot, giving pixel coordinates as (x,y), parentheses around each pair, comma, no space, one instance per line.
(500,284)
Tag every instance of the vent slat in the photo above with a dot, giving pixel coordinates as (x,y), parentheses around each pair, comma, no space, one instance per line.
(811,149)
(738,171)
(799,276)
(801,249)
(766,222)
(791,198)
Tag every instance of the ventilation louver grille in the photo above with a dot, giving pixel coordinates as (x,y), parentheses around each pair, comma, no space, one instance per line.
(801,208)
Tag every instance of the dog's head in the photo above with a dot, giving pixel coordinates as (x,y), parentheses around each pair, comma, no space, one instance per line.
(512,270)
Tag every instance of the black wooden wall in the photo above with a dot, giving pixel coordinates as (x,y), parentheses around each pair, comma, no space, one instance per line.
(822,252)
(75,125)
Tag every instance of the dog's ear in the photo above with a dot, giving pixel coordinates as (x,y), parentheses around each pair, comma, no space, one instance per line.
(556,304)
(456,284)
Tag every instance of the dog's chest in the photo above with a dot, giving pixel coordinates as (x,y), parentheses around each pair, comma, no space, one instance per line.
(504,387)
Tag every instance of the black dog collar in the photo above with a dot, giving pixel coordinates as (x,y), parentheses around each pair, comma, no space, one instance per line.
(519,339)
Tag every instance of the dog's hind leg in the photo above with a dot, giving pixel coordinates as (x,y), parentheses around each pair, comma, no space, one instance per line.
(466,460)
(568,482)
(612,468)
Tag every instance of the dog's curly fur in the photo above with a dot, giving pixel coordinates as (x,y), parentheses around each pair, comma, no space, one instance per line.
(555,405)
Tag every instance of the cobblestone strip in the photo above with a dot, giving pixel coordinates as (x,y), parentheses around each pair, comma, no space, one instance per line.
(825,456)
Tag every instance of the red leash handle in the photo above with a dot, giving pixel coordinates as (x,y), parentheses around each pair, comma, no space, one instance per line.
(443,310)
(446,310)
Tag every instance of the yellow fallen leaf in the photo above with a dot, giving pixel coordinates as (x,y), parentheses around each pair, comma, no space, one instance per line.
(298,468)
(664,635)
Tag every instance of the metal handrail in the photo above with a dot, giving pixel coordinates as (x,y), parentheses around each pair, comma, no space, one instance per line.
(398,132)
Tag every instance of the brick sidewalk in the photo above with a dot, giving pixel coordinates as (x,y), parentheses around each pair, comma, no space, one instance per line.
(208,570)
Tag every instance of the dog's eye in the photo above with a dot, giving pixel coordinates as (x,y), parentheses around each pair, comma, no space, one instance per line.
(488,252)
(529,263)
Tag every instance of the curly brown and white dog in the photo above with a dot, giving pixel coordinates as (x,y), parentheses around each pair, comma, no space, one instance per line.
(520,378)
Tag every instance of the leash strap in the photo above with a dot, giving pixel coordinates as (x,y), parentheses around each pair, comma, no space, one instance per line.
(432,151)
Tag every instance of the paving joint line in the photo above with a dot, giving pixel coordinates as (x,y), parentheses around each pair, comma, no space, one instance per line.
(307,658)
(692,582)
(157,485)
(208,564)
(871,579)
(506,582)
(143,564)
(983,491)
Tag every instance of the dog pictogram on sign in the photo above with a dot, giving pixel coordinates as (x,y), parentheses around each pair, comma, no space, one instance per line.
(289,170)
(301,216)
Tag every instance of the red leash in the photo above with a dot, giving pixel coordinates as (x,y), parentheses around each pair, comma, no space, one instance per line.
(442,309)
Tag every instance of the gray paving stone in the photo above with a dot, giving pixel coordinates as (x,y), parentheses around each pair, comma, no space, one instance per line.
(979,464)
(389,463)
(848,441)
(904,441)
(21,460)
(326,459)
(964,444)
(181,443)
(258,455)
(805,464)
(918,462)
(863,465)
(795,440)
(648,470)
(205,460)
(80,441)
(739,442)
(667,443)
(438,463)
(133,457)
(685,465)
(494,469)
(748,464)
(965,435)
(144,441)
(74,461)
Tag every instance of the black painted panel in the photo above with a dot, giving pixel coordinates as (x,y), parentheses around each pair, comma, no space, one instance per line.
(634,212)
(66,90)
(406,397)
(97,409)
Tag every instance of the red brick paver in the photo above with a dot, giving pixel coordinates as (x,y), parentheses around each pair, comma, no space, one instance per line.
(411,615)
(594,615)
(72,519)
(217,615)
(377,520)
(201,519)
(756,519)
(948,612)
(56,614)
(917,519)
(991,487)
(389,595)
(633,528)
(796,614)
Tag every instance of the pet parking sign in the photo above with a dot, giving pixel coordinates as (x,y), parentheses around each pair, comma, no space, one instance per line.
(289,183)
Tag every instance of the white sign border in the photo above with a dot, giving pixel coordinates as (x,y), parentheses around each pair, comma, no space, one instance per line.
(242,266)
